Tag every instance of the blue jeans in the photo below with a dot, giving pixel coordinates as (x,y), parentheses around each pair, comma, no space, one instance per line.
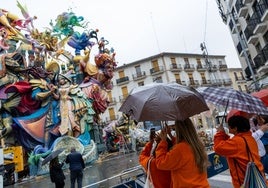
(76,175)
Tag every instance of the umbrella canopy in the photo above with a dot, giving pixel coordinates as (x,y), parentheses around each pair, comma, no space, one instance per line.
(235,112)
(51,156)
(163,102)
(233,99)
(263,95)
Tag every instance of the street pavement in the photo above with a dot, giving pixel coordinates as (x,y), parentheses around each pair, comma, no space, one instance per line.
(111,170)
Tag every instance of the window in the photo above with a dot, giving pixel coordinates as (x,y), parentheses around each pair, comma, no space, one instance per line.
(138,70)
(235,75)
(178,79)
(121,74)
(112,114)
(173,60)
(124,91)
(190,75)
(155,65)
(203,77)
(110,96)
(199,64)
(242,76)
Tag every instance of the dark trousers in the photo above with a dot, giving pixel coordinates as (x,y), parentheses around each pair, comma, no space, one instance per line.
(59,184)
(76,175)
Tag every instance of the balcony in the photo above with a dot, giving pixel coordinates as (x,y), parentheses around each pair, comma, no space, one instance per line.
(233,25)
(222,67)
(112,101)
(265,16)
(123,80)
(216,82)
(138,76)
(253,39)
(261,60)
(240,49)
(240,80)
(205,82)
(189,67)
(214,68)
(175,67)
(157,70)
(227,82)
(201,68)
(260,28)
(243,10)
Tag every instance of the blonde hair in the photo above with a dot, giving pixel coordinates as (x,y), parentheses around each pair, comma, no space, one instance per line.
(185,131)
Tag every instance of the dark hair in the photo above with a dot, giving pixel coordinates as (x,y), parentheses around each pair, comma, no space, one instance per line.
(54,162)
(240,122)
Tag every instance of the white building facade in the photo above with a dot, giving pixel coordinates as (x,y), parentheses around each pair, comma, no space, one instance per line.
(187,69)
(248,24)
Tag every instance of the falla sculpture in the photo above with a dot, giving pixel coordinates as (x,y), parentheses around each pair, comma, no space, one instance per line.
(50,96)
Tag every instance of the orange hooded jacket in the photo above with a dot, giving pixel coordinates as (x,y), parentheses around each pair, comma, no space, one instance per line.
(160,178)
(235,149)
(180,161)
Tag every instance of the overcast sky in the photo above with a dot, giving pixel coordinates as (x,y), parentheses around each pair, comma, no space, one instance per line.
(141,28)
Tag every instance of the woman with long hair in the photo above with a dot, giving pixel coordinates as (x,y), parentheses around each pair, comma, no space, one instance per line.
(187,160)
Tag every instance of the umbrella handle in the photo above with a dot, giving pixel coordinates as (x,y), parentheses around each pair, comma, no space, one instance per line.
(225,112)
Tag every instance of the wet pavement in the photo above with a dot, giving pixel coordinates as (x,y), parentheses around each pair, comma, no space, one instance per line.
(111,170)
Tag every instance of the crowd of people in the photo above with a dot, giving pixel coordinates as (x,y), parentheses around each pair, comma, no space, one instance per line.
(177,154)
(182,161)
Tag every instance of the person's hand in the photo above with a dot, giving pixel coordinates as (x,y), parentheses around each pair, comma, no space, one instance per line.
(157,138)
(220,128)
(264,127)
(163,134)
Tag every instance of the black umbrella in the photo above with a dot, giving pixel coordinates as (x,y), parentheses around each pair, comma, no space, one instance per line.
(52,155)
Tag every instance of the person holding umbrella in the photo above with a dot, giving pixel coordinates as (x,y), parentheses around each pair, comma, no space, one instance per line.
(187,160)
(147,161)
(235,149)
(56,173)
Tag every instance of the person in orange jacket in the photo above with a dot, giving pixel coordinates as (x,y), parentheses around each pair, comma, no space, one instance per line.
(160,178)
(234,149)
(187,160)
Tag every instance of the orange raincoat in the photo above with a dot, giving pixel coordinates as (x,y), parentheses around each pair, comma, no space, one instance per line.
(180,161)
(235,148)
(160,178)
